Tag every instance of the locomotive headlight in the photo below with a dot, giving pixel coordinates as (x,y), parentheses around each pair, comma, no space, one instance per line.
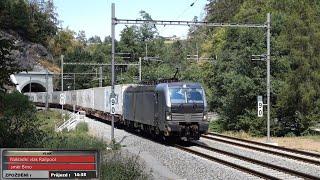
(168,116)
(205,117)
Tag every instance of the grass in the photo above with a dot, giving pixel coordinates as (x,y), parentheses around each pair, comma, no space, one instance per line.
(77,139)
(121,166)
(308,143)
(115,165)
(240,134)
(49,119)
(82,127)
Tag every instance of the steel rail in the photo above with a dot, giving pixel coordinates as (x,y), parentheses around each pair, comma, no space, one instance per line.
(311,155)
(236,166)
(228,163)
(254,161)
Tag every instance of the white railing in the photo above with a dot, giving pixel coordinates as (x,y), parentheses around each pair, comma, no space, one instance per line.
(72,122)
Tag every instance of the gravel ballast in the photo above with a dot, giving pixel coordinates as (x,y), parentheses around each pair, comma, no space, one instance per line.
(266,157)
(166,162)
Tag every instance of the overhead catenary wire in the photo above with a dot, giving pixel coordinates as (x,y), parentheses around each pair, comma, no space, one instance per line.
(186,9)
(183,12)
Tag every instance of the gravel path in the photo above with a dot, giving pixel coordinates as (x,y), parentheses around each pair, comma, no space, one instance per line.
(166,162)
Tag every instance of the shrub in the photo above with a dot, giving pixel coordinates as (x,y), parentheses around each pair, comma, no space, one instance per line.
(72,140)
(114,145)
(290,134)
(216,126)
(19,126)
(120,166)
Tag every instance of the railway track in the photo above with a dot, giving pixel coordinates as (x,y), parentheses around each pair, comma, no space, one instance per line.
(252,166)
(245,164)
(307,157)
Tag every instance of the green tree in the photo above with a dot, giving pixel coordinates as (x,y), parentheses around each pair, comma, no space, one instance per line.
(63,42)
(32,20)
(222,10)
(129,42)
(147,31)
(94,39)
(298,107)
(8,64)
(19,126)
(107,40)
(81,37)
(237,81)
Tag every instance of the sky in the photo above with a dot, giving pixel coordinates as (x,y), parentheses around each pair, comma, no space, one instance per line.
(94,16)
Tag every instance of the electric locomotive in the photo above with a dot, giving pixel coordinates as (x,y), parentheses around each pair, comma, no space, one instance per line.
(174,109)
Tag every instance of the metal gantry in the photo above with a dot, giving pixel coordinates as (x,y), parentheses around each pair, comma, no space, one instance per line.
(112,66)
(47,87)
(268,74)
(267,26)
(185,23)
(197,58)
(101,64)
(100,67)
(62,113)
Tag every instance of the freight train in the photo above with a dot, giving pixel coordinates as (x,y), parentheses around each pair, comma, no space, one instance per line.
(169,110)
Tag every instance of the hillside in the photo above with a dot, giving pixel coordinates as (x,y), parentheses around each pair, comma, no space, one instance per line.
(235,80)
(27,53)
(25,29)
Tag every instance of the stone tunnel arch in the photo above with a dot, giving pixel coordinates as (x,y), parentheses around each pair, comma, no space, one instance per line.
(35,87)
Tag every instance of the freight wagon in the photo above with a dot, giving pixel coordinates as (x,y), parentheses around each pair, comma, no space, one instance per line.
(167,109)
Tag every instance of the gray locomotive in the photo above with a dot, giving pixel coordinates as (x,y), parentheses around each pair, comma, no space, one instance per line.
(167,109)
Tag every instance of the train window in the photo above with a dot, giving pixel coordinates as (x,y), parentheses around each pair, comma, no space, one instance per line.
(186,95)
(195,96)
(177,95)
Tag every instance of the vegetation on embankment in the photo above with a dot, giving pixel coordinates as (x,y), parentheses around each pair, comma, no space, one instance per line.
(306,142)
(119,165)
(19,125)
(235,80)
(309,141)
(115,165)
(22,126)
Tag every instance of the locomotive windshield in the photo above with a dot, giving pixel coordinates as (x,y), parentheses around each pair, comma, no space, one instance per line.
(186,95)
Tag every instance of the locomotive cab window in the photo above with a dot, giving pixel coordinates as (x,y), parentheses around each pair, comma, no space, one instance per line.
(186,95)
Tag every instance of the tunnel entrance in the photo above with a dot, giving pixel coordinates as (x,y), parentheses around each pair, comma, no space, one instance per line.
(35,87)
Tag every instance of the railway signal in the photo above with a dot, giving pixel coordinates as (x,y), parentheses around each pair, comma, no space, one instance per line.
(62,99)
(260,106)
